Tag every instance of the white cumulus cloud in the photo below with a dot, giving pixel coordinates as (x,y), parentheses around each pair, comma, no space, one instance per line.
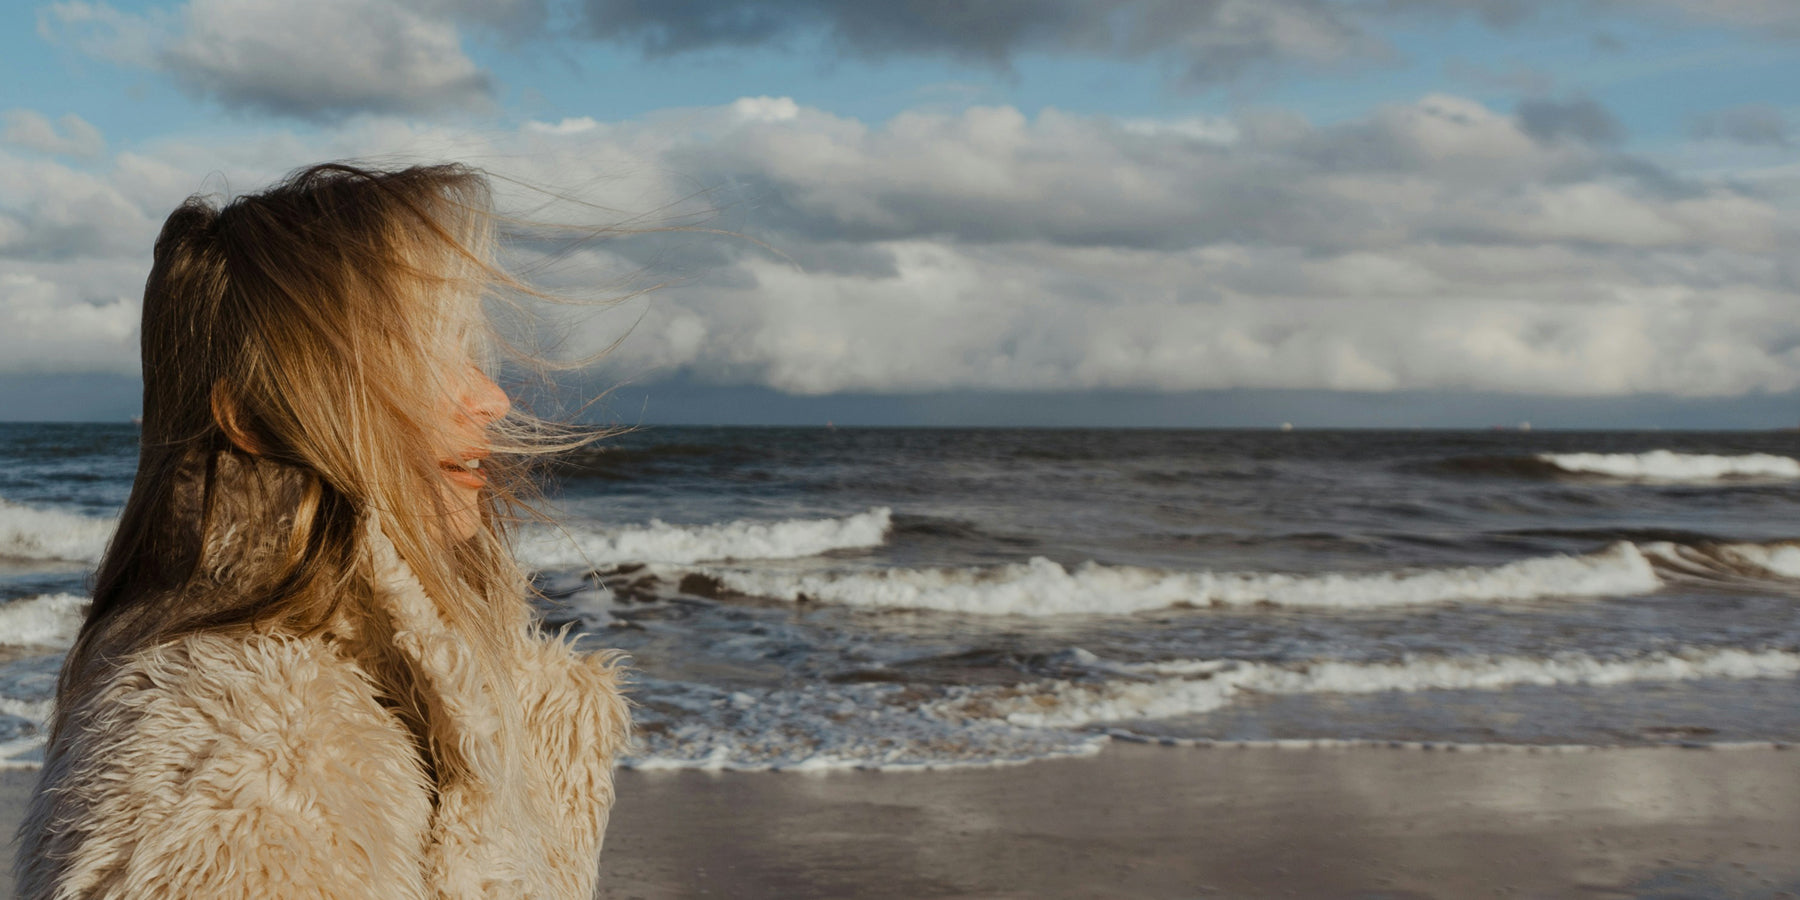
(70,135)
(1436,244)
(315,60)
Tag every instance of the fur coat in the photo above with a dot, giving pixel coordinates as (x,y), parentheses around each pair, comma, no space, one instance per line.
(261,766)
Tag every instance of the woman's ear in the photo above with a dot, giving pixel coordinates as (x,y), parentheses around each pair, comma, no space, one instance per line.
(229,417)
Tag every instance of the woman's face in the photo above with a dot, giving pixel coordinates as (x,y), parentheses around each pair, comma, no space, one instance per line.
(475,402)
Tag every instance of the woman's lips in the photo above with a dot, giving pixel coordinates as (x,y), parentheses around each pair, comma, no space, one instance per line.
(467,473)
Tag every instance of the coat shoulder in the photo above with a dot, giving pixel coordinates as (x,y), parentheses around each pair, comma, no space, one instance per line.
(227,765)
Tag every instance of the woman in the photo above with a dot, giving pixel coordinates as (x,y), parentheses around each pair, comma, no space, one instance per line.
(309,669)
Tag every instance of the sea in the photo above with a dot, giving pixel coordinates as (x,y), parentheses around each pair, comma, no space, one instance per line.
(818,598)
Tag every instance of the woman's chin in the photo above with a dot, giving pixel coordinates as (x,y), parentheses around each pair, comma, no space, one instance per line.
(463,506)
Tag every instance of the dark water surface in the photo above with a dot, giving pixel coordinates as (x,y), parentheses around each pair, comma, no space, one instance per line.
(889,597)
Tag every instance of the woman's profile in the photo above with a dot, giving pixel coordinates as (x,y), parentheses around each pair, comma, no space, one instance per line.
(310,669)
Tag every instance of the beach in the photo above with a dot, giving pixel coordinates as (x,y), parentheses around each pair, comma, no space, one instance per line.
(1191,822)
(1147,821)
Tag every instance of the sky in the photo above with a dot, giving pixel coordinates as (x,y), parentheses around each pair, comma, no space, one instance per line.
(1335,213)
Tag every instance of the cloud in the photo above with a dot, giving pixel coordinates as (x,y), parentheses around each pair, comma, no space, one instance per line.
(1515,78)
(1753,124)
(50,212)
(103,32)
(333,58)
(1435,244)
(67,318)
(1498,13)
(1430,245)
(1033,319)
(1442,169)
(69,136)
(1779,18)
(1203,42)
(318,60)
(1206,41)
(1581,119)
(74,250)
(517,18)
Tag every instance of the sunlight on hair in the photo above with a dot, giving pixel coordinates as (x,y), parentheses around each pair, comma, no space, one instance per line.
(304,348)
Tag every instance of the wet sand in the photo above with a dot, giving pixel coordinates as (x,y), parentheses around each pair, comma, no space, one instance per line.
(1149,821)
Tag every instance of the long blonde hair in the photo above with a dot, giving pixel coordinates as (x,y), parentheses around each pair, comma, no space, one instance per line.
(298,347)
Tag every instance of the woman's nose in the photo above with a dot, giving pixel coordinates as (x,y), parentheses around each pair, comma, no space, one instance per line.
(483,400)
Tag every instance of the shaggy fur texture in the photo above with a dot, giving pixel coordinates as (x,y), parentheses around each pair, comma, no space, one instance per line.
(261,766)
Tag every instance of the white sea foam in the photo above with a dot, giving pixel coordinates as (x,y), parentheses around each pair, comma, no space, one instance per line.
(1781,559)
(822,725)
(22,753)
(1665,465)
(1042,587)
(685,725)
(1778,559)
(658,542)
(27,532)
(38,711)
(885,726)
(27,692)
(1191,687)
(50,620)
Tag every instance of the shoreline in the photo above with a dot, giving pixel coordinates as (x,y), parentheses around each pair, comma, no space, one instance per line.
(1183,822)
(1142,820)
(1151,821)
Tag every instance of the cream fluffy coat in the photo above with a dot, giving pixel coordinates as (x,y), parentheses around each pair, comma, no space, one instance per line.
(218,766)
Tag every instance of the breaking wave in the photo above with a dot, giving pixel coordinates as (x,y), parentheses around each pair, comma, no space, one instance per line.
(658,542)
(827,726)
(49,620)
(27,532)
(1042,587)
(1666,465)
(1191,687)
(1779,559)
(46,534)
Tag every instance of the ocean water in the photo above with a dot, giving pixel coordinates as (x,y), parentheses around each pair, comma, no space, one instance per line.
(894,598)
